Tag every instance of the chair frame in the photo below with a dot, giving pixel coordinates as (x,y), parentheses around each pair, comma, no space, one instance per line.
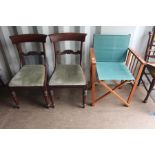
(133,61)
(150,80)
(148,54)
(30,38)
(57,37)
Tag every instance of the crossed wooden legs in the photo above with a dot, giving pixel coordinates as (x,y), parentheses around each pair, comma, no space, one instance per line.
(112,90)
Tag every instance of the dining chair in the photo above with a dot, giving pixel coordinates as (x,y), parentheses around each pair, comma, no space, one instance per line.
(112,60)
(30,75)
(151,80)
(149,69)
(68,75)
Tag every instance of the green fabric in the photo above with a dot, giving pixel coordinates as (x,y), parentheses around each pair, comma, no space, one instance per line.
(113,71)
(29,75)
(111,48)
(69,75)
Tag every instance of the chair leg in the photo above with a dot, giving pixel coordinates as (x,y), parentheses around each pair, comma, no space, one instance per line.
(141,76)
(46,97)
(15,99)
(90,87)
(2,82)
(132,92)
(51,98)
(113,92)
(149,91)
(93,81)
(84,92)
(93,94)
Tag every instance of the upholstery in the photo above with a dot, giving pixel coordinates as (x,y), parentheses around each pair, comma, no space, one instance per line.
(111,48)
(29,75)
(113,71)
(111,52)
(67,75)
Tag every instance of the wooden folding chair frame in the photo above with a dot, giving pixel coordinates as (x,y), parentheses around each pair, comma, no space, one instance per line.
(135,65)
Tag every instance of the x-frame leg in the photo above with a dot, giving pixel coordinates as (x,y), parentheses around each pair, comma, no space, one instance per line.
(114,93)
(117,87)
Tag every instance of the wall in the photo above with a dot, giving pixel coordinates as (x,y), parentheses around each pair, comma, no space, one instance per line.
(9,61)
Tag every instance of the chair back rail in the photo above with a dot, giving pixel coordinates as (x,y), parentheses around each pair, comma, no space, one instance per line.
(58,37)
(29,38)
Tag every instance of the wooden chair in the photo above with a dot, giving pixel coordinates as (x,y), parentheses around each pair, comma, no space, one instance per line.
(151,79)
(70,75)
(30,76)
(149,69)
(112,60)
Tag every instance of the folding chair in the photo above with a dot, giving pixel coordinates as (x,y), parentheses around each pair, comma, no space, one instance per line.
(112,60)
(30,76)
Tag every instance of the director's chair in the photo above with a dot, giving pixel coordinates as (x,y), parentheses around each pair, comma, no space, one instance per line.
(112,60)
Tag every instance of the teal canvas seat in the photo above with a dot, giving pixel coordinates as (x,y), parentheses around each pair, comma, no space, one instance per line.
(113,71)
(112,60)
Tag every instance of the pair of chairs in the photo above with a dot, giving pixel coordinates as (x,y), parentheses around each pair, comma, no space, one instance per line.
(35,76)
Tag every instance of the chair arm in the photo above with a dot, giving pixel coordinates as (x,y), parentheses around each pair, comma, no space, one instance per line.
(137,56)
(135,64)
(151,64)
(92,56)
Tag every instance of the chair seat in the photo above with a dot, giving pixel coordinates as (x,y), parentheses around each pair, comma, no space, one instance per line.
(29,75)
(113,71)
(67,75)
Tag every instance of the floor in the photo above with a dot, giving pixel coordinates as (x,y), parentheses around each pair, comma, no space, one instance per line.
(108,113)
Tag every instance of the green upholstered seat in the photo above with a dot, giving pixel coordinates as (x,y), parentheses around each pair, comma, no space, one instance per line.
(110,52)
(29,75)
(67,75)
(113,71)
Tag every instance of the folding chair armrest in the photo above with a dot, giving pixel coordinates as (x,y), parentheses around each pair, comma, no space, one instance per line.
(135,64)
(151,64)
(92,56)
(137,56)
